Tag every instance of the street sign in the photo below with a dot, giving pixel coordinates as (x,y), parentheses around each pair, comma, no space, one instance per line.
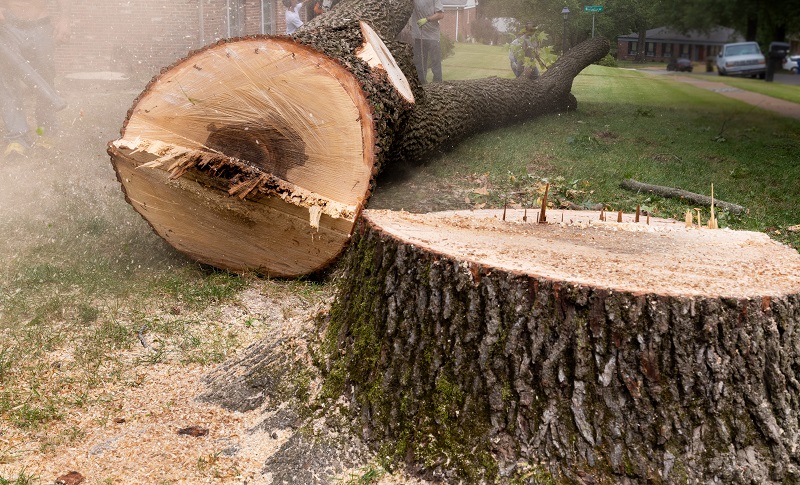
(593,8)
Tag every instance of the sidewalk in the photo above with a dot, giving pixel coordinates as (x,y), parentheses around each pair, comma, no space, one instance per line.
(784,108)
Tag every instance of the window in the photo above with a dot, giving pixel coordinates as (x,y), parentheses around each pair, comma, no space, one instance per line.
(650,49)
(667,50)
(632,48)
(266,17)
(236,18)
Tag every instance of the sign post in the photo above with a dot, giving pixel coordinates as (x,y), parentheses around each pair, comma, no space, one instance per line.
(594,9)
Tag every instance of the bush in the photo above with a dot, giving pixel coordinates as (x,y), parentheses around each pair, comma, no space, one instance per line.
(485,32)
(447,46)
(607,61)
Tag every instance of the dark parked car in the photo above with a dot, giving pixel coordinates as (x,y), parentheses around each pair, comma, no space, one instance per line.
(681,65)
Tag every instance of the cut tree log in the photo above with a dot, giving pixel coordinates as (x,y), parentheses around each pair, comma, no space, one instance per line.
(258,154)
(578,351)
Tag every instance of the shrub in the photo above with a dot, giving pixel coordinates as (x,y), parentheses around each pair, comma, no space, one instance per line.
(447,46)
(607,61)
(485,32)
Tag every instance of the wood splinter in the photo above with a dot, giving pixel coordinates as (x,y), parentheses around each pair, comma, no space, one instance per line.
(712,221)
(542,215)
(637,213)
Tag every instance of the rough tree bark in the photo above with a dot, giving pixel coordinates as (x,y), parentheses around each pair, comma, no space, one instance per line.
(259,153)
(577,352)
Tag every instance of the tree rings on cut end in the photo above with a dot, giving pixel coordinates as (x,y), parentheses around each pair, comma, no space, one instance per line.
(663,257)
(283,115)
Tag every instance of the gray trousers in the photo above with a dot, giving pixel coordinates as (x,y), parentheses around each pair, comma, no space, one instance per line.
(427,53)
(34,41)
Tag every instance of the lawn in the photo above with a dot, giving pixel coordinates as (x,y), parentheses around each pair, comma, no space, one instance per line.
(475,61)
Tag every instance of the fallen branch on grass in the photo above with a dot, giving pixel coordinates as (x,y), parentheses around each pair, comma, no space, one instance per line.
(631,184)
(142,338)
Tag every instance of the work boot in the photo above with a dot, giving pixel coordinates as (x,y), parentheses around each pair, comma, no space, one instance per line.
(15,150)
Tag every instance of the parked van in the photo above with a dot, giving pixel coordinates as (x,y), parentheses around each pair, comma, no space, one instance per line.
(741,59)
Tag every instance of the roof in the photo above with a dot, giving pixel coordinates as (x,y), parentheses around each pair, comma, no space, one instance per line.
(719,35)
(450,4)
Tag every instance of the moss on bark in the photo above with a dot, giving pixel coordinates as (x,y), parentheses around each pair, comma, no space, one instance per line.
(473,370)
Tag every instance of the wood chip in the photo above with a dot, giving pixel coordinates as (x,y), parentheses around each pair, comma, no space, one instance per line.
(194,431)
(71,478)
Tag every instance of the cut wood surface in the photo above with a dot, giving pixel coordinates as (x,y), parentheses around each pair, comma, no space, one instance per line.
(299,124)
(663,257)
(619,352)
(255,154)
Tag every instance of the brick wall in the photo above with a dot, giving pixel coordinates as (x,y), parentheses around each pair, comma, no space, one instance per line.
(463,19)
(139,37)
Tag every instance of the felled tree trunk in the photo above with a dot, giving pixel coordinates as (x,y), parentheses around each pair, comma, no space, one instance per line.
(259,153)
(452,111)
(577,351)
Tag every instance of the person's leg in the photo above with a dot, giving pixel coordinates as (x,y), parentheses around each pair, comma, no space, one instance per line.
(41,55)
(419,60)
(12,107)
(435,58)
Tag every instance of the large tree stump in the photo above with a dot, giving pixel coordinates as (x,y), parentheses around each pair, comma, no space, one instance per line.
(578,350)
(259,153)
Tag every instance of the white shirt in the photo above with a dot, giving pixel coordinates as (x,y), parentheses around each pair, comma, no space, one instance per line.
(293,21)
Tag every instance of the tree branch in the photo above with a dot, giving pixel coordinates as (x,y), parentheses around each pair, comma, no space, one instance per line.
(672,192)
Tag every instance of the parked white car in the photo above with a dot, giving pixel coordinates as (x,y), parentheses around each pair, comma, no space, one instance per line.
(741,59)
(791,62)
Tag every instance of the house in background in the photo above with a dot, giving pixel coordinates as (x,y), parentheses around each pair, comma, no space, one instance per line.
(459,15)
(663,44)
(139,37)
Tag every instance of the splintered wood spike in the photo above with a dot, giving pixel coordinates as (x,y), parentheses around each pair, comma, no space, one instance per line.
(637,213)
(542,213)
(712,222)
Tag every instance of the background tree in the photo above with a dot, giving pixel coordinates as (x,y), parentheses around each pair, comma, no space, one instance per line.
(760,20)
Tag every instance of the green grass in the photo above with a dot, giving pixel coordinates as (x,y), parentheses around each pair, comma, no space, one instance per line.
(475,61)
(775,90)
(629,124)
(22,478)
